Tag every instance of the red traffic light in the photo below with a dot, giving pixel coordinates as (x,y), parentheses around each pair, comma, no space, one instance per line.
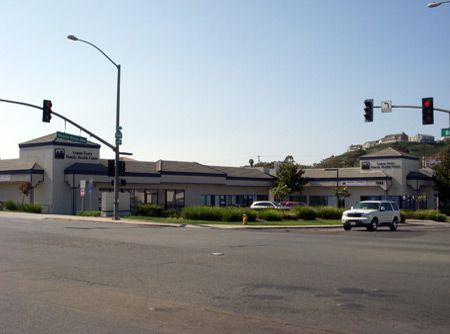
(427,111)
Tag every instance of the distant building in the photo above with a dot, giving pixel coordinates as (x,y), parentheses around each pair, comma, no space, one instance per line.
(369,144)
(421,138)
(353,148)
(394,138)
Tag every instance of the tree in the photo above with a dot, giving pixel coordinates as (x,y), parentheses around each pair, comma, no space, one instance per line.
(441,178)
(290,175)
(25,189)
(280,192)
(341,194)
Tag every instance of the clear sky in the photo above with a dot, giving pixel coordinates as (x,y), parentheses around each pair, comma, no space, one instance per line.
(220,82)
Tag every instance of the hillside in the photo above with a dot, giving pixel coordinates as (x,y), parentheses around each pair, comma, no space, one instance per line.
(351,159)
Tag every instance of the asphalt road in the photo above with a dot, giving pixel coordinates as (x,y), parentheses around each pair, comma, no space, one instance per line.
(83,277)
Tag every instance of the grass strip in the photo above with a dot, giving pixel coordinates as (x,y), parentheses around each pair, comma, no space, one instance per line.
(317,222)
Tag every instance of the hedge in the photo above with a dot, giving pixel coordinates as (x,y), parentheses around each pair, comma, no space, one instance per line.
(424,215)
(305,212)
(90,213)
(217,213)
(26,207)
(329,212)
(151,210)
(271,214)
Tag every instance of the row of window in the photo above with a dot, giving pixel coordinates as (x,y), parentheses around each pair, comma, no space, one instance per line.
(231,200)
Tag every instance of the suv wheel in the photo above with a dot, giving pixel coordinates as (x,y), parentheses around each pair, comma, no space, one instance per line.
(393,226)
(373,225)
(347,227)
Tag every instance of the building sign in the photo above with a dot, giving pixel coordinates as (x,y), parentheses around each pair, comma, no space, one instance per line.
(366,165)
(61,153)
(5,178)
(360,183)
(67,136)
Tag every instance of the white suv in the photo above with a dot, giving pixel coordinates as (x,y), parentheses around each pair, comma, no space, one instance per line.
(372,214)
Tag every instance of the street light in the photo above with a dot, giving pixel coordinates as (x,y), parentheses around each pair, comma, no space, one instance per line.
(435,4)
(118,133)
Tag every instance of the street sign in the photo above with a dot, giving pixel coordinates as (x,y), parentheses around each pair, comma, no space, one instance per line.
(82,188)
(67,136)
(386,106)
(445,132)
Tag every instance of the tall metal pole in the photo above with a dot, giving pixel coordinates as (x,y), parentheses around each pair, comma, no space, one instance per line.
(116,159)
(118,133)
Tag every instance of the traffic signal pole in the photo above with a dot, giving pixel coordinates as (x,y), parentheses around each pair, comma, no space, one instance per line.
(418,107)
(115,148)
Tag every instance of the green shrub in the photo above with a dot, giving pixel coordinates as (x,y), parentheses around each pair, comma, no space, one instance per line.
(26,207)
(270,215)
(11,206)
(289,215)
(202,213)
(424,215)
(402,218)
(305,212)
(89,213)
(233,214)
(33,208)
(440,217)
(214,213)
(150,210)
(329,212)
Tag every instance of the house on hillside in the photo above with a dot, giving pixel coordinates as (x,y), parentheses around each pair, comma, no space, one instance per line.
(369,144)
(353,148)
(394,138)
(422,139)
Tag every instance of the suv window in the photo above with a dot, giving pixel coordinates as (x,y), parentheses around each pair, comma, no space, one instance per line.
(395,206)
(386,206)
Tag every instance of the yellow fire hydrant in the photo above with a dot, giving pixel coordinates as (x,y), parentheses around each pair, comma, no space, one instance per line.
(244,219)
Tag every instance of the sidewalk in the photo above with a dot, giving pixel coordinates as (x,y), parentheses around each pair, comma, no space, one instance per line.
(41,216)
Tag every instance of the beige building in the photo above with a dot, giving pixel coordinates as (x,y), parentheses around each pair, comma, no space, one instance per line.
(385,174)
(67,175)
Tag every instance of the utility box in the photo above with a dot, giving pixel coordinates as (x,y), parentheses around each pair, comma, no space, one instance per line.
(108,204)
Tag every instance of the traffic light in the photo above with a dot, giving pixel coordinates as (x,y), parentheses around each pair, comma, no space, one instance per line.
(46,111)
(368,110)
(121,168)
(110,167)
(427,111)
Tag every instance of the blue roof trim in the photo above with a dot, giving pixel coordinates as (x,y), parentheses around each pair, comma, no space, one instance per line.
(50,143)
(23,171)
(389,157)
(194,174)
(243,178)
(135,174)
(309,179)
(418,176)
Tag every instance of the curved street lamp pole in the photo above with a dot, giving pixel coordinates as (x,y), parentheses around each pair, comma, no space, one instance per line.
(118,133)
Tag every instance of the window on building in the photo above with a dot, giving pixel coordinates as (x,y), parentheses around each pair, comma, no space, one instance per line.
(318,200)
(174,199)
(222,200)
(297,198)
